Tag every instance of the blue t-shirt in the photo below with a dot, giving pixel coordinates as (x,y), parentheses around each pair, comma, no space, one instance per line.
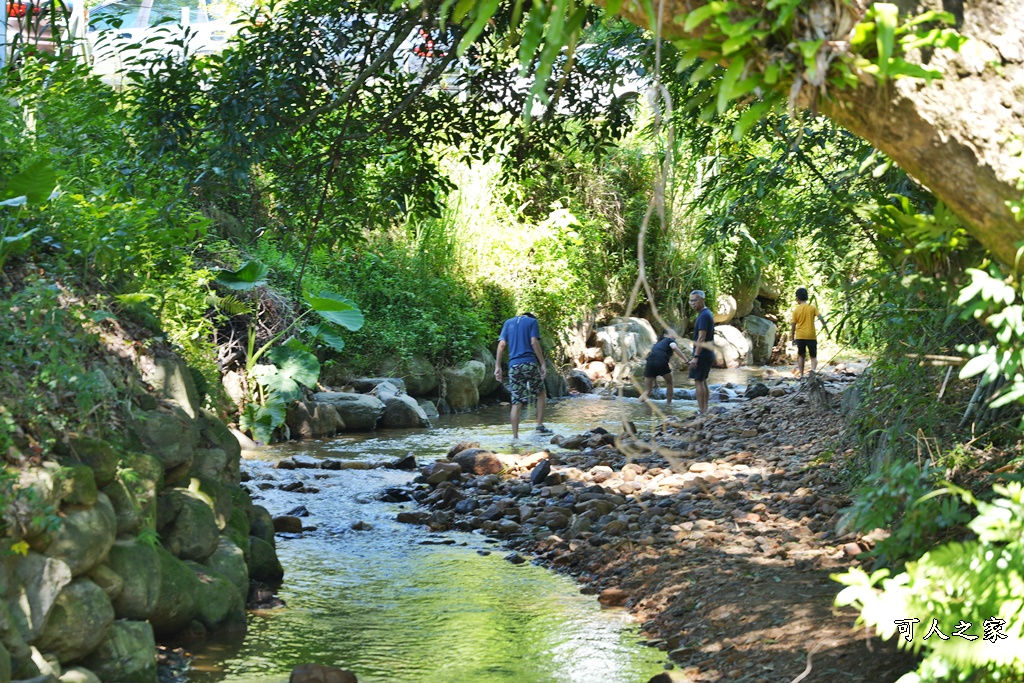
(705,321)
(516,332)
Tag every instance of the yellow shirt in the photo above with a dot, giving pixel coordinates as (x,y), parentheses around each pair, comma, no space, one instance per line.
(803,316)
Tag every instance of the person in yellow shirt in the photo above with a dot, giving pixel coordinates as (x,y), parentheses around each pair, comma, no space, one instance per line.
(802,331)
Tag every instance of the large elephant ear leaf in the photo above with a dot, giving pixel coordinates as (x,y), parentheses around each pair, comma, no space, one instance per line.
(326,335)
(251,275)
(35,183)
(283,387)
(336,309)
(296,364)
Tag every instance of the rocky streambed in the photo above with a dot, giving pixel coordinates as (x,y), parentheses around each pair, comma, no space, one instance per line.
(718,533)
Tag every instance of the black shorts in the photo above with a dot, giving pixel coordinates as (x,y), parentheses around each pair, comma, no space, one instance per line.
(657,368)
(704,361)
(805,346)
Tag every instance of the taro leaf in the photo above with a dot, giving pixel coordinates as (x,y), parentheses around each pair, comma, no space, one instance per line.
(251,275)
(274,380)
(323,333)
(336,309)
(18,244)
(261,421)
(35,183)
(296,363)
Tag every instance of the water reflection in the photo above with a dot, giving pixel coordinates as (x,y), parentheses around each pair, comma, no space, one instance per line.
(385,606)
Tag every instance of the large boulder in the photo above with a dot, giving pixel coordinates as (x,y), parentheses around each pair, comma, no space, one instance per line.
(554,383)
(745,294)
(416,372)
(33,587)
(214,434)
(318,673)
(263,563)
(85,535)
(488,385)
(169,435)
(369,385)
(731,347)
(761,333)
(626,338)
(187,525)
(138,565)
(219,604)
(170,379)
(359,412)
(78,621)
(725,309)
(177,601)
(461,385)
(579,382)
(313,420)
(228,560)
(126,655)
(478,461)
(401,411)
(133,493)
(100,457)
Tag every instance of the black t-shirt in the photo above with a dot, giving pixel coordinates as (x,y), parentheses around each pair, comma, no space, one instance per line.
(661,352)
(705,321)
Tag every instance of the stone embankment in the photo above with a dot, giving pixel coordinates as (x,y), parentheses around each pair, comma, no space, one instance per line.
(152,537)
(717,532)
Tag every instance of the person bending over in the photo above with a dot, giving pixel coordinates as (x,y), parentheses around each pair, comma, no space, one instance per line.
(657,365)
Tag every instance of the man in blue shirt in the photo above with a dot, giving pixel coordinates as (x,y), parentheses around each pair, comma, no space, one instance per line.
(703,349)
(526,368)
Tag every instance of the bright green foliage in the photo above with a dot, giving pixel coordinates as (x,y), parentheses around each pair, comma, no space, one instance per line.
(897,498)
(972,582)
(997,300)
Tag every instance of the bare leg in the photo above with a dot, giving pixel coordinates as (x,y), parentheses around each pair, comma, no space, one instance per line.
(542,401)
(702,395)
(648,388)
(517,409)
(814,364)
(668,389)
(800,366)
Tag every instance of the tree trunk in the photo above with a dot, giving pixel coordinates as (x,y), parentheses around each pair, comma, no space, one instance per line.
(962,136)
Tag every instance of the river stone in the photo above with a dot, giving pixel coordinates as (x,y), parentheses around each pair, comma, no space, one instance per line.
(78,621)
(460,385)
(228,560)
(579,381)
(441,471)
(176,603)
(219,604)
(489,385)
(171,435)
(725,309)
(237,530)
(429,409)
(215,494)
(367,385)
(756,390)
(263,563)
(318,673)
(261,524)
(107,579)
(133,492)
(761,333)
(731,347)
(313,420)
(416,372)
(401,411)
(46,482)
(138,565)
(554,383)
(84,536)
(77,674)
(478,461)
(186,524)
(359,412)
(78,485)
(35,582)
(215,434)
(626,338)
(170,379)
(99,456)
(126,655)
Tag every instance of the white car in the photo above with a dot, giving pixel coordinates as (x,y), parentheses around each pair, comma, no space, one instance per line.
(123,33)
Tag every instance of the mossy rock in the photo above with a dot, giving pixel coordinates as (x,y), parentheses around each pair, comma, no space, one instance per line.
(177,604)
(126,655)
(261,524)
(99,456)
(238,530)
(187,526)
(263,563)
(84,536)
(78,485)
(138,565)
(231,561)
(219,604)
(215,494)
(170,436)
(78,621)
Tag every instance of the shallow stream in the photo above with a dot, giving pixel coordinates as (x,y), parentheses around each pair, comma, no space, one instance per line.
(396,603)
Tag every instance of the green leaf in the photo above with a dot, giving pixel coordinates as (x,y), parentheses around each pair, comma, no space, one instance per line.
(296,364)
(612,7)
(337,309)
(703,71)
(977,365)
(752,115)
(18,244)
(324,334)
(100,316)
(251,275)
(702,14)
(728,82)
(35,183)
(886,18)
(484,11)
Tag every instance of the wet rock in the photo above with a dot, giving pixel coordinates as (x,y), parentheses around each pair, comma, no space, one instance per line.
(579,382)
(756,390)
(406,463)
(478,461)
(441,471)
(288,524)
(515,558)
(540,472)
(613,597)
(298,511)
(395,495)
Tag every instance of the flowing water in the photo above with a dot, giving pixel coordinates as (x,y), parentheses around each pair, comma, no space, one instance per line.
(396,603)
